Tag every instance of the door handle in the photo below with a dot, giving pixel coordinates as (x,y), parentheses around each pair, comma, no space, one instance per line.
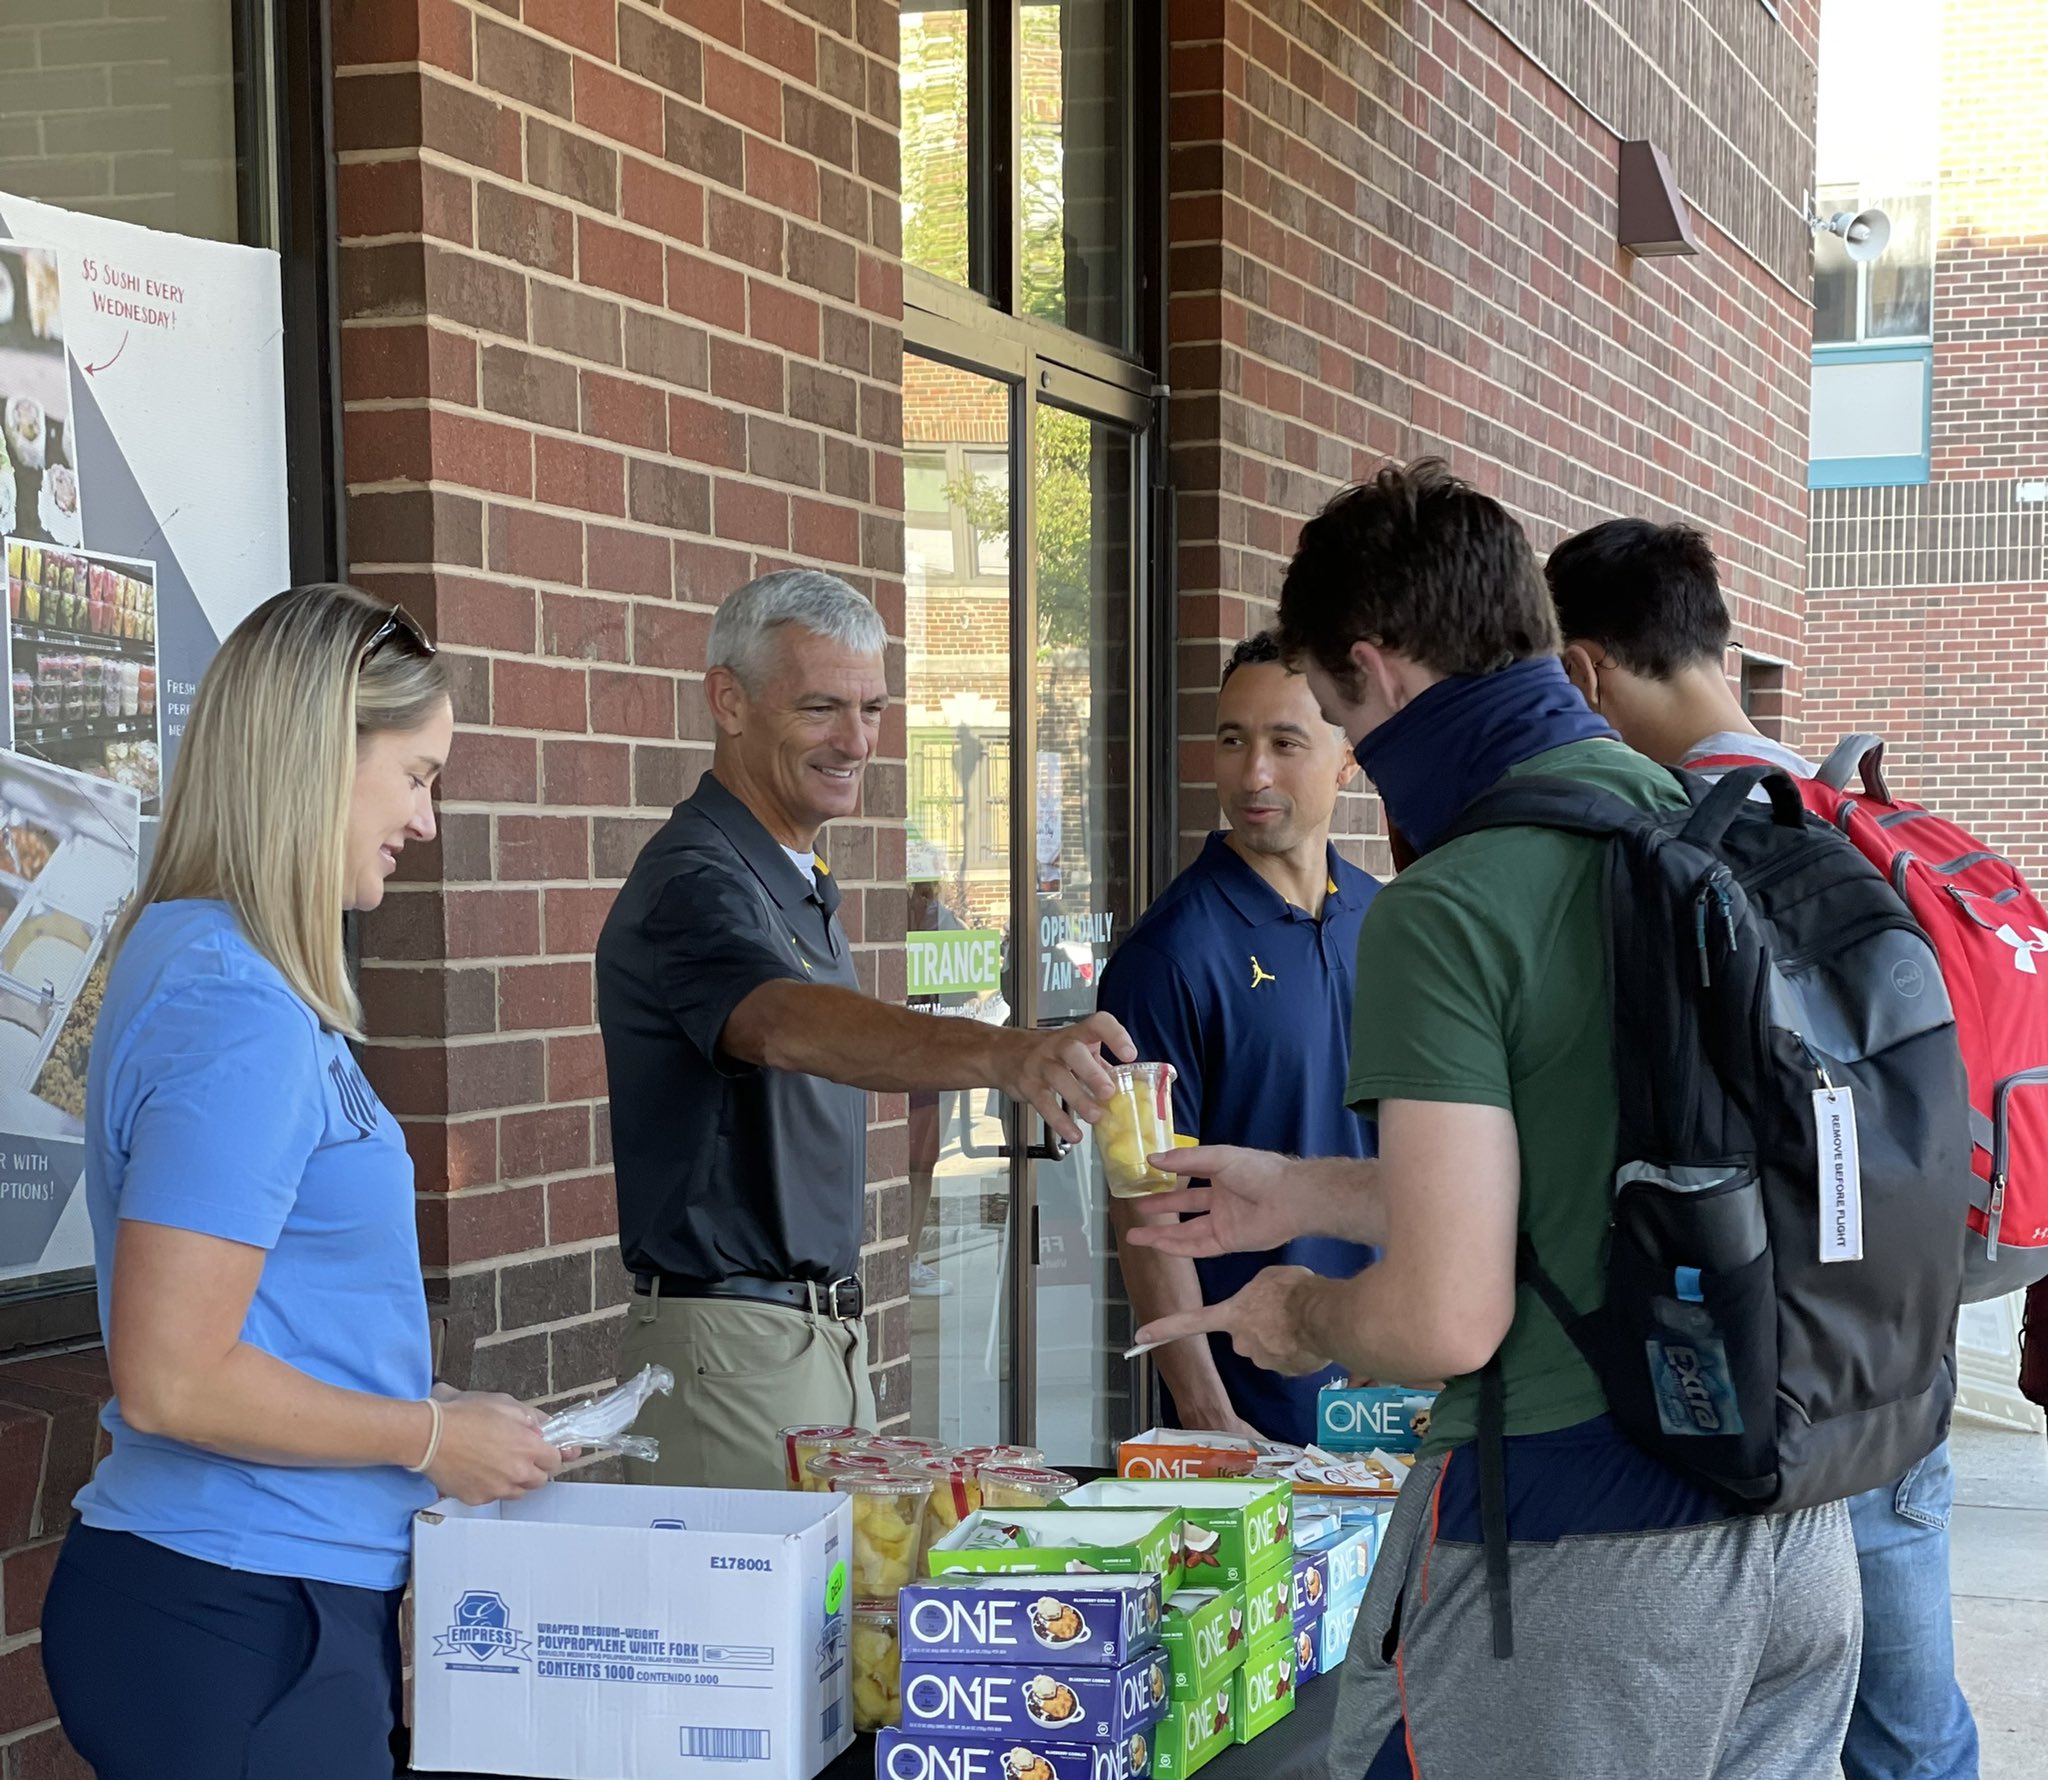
(1052,1148)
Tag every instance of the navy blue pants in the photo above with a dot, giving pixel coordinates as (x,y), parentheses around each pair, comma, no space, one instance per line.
(168,1668)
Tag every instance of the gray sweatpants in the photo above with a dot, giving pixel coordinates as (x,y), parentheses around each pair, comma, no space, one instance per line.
(1724,1652)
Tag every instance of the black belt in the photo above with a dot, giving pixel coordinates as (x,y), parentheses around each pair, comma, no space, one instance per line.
(841,1299)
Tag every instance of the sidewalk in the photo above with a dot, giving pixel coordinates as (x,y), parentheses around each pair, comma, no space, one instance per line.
(1999,1572)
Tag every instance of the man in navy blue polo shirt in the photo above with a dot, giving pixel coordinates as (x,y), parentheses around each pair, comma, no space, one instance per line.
(1240,976)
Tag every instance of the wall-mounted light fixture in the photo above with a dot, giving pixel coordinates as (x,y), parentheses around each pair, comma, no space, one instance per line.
(1654,220)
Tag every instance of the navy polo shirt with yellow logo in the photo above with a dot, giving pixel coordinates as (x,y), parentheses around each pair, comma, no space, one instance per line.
(1249,998)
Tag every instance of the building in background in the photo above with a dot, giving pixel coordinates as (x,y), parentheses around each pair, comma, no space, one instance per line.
(1046,324)
(1927,612)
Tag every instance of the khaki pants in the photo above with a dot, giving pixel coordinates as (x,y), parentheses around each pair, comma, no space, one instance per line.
(744,1371)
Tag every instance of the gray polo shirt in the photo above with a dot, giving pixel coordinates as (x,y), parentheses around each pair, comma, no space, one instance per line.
(723,1169)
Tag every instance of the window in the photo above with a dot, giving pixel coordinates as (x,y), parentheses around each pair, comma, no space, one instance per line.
(1018,155)
(1877,148)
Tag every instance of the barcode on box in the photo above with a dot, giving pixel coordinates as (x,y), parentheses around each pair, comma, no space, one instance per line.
(710,1743)
(834,1713)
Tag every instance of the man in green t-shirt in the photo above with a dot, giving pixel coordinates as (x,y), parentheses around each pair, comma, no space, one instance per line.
(1655,1631)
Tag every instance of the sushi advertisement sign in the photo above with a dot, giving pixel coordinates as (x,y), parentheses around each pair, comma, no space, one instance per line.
(143,511)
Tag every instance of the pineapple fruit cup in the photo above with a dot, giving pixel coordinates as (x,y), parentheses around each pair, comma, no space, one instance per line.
(1137,1124)
(801,1445)
(956,1493)
(877,1671)
(978,1456)
(1022,1486)
(888,1511)
(829,1470)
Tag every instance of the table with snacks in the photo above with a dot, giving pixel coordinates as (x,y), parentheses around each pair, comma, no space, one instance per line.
(1018,1621)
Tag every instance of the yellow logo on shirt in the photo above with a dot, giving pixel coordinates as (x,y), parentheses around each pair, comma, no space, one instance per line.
(800,958)
(1260,974)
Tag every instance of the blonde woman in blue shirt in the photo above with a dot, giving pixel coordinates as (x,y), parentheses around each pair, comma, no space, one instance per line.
(227,1601)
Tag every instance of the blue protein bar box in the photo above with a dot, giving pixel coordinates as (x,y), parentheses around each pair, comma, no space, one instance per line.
(1019,1700)
(1080,1621)
(918,1755)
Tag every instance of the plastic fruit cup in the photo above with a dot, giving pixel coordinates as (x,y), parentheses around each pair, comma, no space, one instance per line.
(956,1493)
(1137,1124)
(1023,1486)
(801,1445)
(911,1448)
(887,1512)
(877,1671)
(978,1456)
(829,1470)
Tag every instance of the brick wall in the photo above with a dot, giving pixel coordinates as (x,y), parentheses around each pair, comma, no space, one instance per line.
(1393,233)
(621,329)
(1928,619)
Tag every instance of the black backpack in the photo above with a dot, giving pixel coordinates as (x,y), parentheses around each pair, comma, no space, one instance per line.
(1756,963)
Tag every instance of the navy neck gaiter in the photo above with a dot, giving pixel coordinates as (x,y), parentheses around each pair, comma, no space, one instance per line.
(1443,748)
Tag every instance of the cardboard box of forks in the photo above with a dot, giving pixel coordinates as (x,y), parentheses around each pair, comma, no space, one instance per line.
(598,1631)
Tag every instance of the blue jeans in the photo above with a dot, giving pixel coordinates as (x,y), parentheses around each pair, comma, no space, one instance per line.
(1910,1721)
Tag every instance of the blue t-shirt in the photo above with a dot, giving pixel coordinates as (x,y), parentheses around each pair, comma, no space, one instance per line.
(216,1102)
(1249,998)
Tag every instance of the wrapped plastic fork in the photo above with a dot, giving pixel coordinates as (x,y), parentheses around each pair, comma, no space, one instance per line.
(599,1424)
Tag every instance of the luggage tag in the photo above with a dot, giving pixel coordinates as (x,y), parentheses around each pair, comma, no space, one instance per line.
(1841,1175)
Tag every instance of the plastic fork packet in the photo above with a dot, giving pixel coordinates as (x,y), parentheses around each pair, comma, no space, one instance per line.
(599,1424)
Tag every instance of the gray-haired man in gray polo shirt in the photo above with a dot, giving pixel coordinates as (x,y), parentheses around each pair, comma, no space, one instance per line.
(741,1050)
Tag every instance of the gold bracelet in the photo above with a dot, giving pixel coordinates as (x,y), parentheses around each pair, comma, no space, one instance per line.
(433,1440)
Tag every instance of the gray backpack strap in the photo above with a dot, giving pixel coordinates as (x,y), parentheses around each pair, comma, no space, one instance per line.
(1851,754)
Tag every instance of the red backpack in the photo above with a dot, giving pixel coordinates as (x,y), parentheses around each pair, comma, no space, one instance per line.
(1990,932)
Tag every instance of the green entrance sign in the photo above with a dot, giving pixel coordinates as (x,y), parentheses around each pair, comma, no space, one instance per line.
(954,961)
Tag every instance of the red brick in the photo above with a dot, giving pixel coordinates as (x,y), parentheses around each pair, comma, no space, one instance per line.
(367,31)
(586,773)
(472,1152)
(48,1755)
(722,19)
(783,180)
(583,1209)
(552,1141)
(744,94)
(616,260)
(574,918)
(708,572)
(483,614)
(711,292)
(614,106)
(746,375)
(517,226)
(493,923)
(542,996)
(707,434)
(24,1579)
(24,1694)
(576,1067)
(532,695)
(389,444)
(379,198)
(776,35)
(589,25)
(750,514)
(535,546)
(670,637)
(823,531)
(631,704)
(481,1226)
(782,318)
(536,847)
(665,202)
(492,769)
(626,413)
(583,629)
(480,454)
(467,126)
(736,230)
(567,474)
(628,561)
(24,1435)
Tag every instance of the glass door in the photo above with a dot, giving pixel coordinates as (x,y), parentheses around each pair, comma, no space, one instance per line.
(1084,863)
(959,945)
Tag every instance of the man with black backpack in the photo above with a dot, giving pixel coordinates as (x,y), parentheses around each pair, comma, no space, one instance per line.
(1646,635)
(1621,1199)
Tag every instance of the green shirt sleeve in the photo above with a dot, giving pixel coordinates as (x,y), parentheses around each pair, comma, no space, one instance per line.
(1431,1011)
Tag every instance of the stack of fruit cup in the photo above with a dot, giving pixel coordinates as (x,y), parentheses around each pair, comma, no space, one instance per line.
(1022,1486)
(801,1445)
(877,1669)
(888,1509)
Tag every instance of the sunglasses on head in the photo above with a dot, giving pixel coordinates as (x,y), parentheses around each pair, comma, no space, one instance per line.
(398,623)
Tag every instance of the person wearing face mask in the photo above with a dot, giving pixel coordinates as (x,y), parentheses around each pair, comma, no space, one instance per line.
(741,1051)
(275,1424)
(1240,975)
